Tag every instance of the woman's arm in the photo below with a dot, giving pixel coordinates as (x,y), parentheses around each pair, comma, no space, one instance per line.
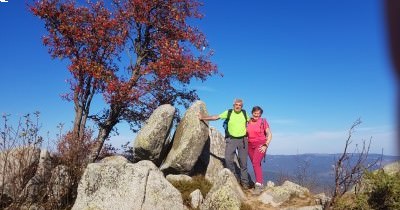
(264,147)
(269,135)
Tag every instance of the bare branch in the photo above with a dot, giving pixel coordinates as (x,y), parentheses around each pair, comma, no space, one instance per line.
(350,167)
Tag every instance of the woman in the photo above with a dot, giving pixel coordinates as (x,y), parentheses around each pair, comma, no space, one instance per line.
(259,137)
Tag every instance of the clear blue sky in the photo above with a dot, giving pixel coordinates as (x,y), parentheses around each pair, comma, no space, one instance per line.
(314,66)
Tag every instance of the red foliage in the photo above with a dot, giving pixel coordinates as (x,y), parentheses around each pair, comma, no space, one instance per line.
(92,36)
(165,54)
(72,151)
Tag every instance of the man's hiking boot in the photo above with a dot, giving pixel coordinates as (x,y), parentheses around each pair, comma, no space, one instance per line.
(258,188)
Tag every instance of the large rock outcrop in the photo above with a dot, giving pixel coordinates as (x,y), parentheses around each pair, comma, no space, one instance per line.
(116,184)
(151,140)
(36,186)
(226,193)
(16,167)
(213,156)
(188,142)
(275,196)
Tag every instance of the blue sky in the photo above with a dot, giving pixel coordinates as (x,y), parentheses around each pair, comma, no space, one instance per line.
(314,66)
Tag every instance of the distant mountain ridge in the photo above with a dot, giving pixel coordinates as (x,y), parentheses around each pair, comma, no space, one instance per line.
(318,167)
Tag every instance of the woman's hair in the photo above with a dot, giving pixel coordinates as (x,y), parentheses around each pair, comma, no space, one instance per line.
(257,108)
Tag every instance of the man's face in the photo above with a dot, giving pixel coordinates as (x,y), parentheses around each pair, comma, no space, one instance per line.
(237,106)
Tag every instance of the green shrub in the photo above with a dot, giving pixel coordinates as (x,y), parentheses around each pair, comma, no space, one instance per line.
(350,201)
(381,191)
(384,192)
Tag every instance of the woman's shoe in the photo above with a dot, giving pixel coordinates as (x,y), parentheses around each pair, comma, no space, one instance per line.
(258,188)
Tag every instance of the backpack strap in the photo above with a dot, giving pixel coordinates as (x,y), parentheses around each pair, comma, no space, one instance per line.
(225,124)
(245,115)
(264,125)
(229,114)
(245,124)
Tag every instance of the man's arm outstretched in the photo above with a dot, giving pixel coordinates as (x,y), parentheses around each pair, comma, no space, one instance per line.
(208,118)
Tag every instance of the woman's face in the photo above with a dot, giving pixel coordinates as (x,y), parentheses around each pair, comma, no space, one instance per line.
(256,114)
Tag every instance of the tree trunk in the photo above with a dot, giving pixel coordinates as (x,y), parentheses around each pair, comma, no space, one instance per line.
(81,116)
(78,120)
(98,145)
(104,132)
(82,105)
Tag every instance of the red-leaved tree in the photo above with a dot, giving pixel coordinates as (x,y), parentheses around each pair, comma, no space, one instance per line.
(165,53)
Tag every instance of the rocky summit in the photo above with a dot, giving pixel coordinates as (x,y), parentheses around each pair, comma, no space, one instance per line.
(163,156)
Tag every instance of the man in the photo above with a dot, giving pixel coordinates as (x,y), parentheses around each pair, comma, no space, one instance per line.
(236,139)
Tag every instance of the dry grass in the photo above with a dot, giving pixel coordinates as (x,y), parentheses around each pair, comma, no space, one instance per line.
(252,202)
(187,187)
(296,201)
